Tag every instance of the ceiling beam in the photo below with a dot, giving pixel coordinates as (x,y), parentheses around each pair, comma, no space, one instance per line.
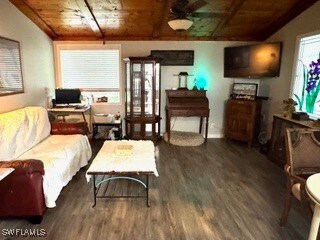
(164,38)
(298,8)
(27,10)
(235,6)
(89,16)
(161,6)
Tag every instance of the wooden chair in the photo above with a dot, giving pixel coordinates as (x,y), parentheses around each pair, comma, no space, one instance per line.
(303,160)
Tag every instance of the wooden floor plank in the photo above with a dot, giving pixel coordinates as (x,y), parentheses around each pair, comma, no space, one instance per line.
(218,190)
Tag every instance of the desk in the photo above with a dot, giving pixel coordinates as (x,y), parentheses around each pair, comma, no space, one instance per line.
(5,172)
(313,191)
(187,103)
(70,111)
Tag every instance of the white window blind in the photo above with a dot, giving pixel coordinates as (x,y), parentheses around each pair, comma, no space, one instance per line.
(10,69)
(90,69)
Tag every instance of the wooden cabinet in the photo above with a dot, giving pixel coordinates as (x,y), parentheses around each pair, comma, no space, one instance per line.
(243,120)
(277,146)
(142,98)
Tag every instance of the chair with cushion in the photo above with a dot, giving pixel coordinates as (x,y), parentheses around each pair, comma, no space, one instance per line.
(303,160)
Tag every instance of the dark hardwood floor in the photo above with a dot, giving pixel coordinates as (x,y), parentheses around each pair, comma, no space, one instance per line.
(216,191)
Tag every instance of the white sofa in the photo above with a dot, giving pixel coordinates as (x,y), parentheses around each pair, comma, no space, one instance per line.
(25,134)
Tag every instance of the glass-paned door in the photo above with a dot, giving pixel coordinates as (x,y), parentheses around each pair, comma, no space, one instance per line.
(148,88)
(157,90)
(128,88)
(136,88)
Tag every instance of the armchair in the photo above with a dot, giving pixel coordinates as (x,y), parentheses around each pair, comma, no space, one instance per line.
(21,192)
(303,160)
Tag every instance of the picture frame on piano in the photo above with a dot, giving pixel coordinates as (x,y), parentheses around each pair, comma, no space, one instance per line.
(244,91)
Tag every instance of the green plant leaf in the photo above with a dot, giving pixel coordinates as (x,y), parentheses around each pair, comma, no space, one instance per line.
(299,101)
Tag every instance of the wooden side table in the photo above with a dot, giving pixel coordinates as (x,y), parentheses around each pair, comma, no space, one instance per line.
(243,120)
(313,191)
(277,149)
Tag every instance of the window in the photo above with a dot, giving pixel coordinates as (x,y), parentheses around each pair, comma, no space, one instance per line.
(94,68)
(306,86)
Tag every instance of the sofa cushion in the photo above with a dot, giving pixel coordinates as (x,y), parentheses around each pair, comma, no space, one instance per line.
(62,156)
(22,129)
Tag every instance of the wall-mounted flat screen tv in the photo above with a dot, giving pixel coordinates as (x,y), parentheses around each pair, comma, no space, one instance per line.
(67,96)
(253,61)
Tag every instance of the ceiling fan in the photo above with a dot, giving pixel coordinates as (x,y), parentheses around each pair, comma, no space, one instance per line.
(180,11)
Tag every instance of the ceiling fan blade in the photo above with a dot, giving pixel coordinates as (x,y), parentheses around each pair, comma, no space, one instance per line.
(179,5)
(206,15)
(192,7)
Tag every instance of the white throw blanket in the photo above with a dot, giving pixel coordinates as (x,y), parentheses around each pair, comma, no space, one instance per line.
(62,157)
(22,129)
(141,160)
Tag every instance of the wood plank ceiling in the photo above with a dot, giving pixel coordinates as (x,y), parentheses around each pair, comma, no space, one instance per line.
(230,20)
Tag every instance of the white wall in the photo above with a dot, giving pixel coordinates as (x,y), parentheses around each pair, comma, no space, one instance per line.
(208,62)
(36,54)
(279,88)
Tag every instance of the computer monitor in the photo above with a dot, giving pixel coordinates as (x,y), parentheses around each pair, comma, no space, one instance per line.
(67,96)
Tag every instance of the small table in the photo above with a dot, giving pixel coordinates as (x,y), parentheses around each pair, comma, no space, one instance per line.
(5,172)
(313,190)
(117,124)
(107,163)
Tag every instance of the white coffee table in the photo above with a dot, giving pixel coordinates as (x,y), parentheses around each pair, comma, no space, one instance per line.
(141,162)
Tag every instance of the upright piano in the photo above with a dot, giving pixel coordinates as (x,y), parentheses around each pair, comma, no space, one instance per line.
(187,103)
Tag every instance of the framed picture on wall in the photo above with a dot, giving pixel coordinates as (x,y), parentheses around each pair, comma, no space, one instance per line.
(174,57)
(244,91)
(10,67)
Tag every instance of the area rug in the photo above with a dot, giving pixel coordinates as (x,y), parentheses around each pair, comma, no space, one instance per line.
(184,138)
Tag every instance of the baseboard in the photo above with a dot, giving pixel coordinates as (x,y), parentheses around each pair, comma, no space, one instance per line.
(216,135)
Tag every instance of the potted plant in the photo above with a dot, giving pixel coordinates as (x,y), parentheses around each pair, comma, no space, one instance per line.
(289,107)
